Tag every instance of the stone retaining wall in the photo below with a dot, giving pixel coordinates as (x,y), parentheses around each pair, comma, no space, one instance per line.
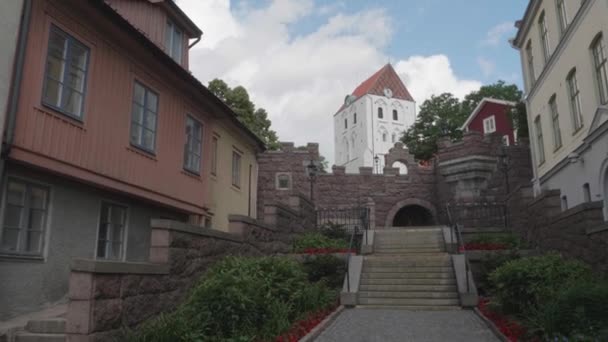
(106,296)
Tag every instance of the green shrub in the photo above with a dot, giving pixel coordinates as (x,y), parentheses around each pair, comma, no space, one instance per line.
(508,239)
(327,268)
(317,240)
(335,231)
(523,284)
(489,264)
(164,328)
(577,310)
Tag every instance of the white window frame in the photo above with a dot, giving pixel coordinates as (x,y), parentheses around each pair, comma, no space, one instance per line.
(489,124)
(215,141)
(562,16)
(237,161)
(141,127)
(530,60)
(173,46)
(575,101)
(540,143)
(190,150)
(278,181)
(124,232)
(544,36)
(557,132)
(600,67)
(505,140)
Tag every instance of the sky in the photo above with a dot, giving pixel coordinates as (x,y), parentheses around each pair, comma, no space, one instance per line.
(299,58)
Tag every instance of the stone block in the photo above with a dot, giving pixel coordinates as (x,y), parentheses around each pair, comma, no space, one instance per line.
(106,286)
(80,286)
(348,299)
(78,317)
(106,314)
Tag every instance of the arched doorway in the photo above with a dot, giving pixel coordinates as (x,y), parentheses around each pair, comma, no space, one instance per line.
(413,215)
(401,166)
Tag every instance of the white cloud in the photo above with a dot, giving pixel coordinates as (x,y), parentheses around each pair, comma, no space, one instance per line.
(487,66)
(498,34)
(301,79)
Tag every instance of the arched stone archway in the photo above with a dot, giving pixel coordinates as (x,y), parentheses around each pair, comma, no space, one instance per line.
(401,166)
(416,207)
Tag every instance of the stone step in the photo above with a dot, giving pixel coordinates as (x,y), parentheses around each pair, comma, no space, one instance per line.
(406,281)
(33,337)
(411,245)
(412,307)
(408,302)
(408,263)
(408,288)
(399,252)
(402,269)
(46,326)
(436,249)
(411,275)
(412,295)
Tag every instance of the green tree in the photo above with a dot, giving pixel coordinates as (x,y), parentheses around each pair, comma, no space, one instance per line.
(438,116)
(256,120)
(499,90)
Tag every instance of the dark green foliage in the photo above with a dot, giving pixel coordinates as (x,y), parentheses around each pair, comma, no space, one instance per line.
(489,264)
(526,283)
(317,240)
(326,268)
(510,240)
(255,119)
(240,299)
(335,231)
(499,90)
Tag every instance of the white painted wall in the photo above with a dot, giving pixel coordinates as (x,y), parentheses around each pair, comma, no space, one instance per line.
(362,141)
(10,16)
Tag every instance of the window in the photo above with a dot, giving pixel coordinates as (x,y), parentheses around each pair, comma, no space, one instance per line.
(575,101)
(384,137)
(110,238)
(345,123)
(489,125)
(544,36)
(530,59)
(564,203)
(505,140)
(214,143)
(354,118)
(601,73)
(380,113)
(393,138)
(193,148)
(143,117)
(587,192)
(236,169)
(539,140)
(562,16)
(25,215)
(283,181)
(557,134)
(173,41)
(66,74)
(395,115)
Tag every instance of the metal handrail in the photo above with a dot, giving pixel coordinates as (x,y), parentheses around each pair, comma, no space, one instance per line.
(456,228)
(350,247)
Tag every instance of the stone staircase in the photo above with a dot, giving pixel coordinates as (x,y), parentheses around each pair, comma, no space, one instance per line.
(409,269)
(44,330)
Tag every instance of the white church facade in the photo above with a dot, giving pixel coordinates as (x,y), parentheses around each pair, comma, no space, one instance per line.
(371,120)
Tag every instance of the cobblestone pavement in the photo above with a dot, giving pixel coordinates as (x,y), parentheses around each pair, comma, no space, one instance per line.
(386,325)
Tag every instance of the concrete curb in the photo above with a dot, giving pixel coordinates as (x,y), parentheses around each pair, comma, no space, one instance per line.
(491,325)
(314,333)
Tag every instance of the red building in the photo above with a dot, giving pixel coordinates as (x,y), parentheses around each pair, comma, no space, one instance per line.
(492,116)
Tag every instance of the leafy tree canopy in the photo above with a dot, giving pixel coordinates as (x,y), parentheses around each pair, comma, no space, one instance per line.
(443,115)
(256,120)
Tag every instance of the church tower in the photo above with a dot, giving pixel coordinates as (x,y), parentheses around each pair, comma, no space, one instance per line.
(371,120)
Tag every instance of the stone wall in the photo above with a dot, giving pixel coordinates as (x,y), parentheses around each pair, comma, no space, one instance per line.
(106,296)
(579,232)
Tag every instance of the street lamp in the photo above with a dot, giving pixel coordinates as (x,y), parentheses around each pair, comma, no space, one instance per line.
(377,162)
(312,176)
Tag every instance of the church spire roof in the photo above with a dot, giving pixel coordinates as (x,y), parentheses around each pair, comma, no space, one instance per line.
(384,78)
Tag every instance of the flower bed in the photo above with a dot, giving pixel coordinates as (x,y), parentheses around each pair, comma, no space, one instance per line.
(512,330)
(483,246)
(315,251)
(302,327)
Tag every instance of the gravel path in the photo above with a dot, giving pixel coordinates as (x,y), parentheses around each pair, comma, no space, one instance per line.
(385,325)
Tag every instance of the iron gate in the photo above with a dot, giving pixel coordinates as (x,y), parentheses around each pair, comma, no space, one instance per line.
(348,219)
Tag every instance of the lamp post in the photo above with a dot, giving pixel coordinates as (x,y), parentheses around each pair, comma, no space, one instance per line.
(377,162)
(312,176)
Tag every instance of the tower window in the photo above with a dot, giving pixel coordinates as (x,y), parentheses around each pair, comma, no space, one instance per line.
(345,123)
(395,115)
(587,192)
(380,113)
(355,118)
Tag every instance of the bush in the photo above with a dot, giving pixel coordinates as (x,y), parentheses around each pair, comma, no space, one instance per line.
(578,312)
(318,240)
(335,231)
(489,264)
(524,284)
(240,299)
(327,268)
(509,240)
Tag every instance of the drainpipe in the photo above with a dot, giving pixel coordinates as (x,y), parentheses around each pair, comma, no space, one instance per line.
(198,39)
(15,89)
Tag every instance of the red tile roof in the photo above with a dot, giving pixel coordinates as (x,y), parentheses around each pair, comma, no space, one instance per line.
(386,77)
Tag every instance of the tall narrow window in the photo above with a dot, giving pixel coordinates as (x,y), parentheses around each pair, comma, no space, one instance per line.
(601,73)
(174,41)
(236,169)
(143,118)
(564,203)
(193,147)
(384,137)
(544,36)
(25,214)
(530,59)
(562,16)
(394,138)
(557,134)
(575,101)
(539,140)
(395,115)
(380,113)
(110,238)
(354,118)
(489,125)
(587,192)
(66,74)
(345,123)
(214,147)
